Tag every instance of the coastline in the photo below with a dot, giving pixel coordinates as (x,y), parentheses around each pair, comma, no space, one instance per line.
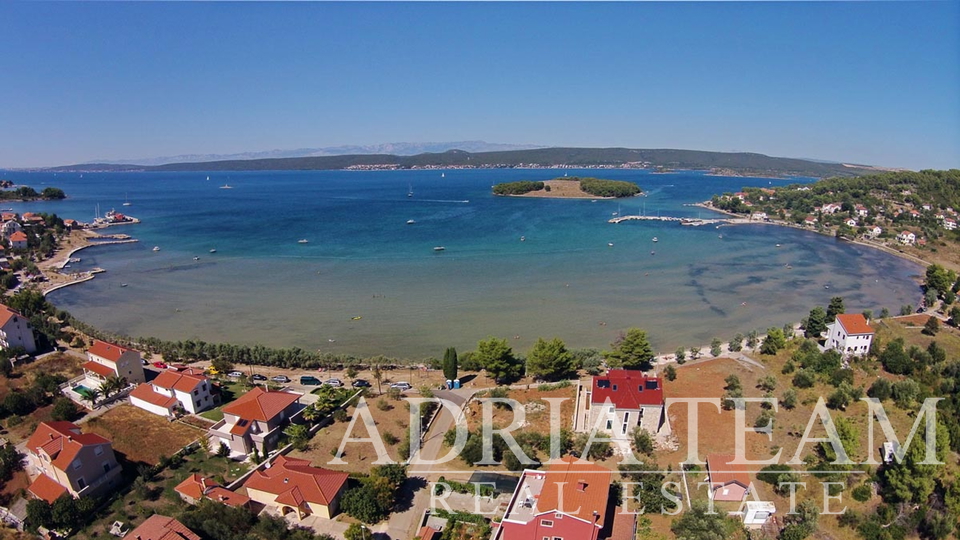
(779,223)
(79,240)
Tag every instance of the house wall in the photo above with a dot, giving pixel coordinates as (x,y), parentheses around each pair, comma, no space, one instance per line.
(97,479)
(194,403)
(649,418)
(155,409)
(17,333)
(837,338)
(130,367)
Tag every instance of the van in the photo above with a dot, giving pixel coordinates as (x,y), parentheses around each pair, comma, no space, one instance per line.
(309,380)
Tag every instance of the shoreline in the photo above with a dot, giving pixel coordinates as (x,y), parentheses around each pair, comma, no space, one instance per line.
(882,247)
(52,267)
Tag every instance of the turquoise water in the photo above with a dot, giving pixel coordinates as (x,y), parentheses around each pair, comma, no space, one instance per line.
(362,259)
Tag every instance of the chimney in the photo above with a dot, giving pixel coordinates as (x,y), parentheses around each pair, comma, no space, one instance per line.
(581,485)
(286,480)
(203,484)
(70,438)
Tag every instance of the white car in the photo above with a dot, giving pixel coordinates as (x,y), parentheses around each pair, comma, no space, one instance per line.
(333,382)
(402,385)
(235,374)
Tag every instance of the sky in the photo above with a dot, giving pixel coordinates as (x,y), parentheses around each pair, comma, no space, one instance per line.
(860,82)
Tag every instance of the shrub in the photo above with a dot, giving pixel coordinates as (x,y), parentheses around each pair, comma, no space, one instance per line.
(862,493)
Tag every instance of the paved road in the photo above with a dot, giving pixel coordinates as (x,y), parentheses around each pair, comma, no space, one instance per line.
(401,525)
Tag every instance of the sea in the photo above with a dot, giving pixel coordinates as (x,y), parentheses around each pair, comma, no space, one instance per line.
(368,283)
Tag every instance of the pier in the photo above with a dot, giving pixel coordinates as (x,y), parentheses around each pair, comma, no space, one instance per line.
(690,222)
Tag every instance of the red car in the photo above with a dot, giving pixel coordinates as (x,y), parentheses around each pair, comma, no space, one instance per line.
(159,365)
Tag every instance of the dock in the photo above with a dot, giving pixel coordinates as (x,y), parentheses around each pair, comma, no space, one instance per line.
(690,222)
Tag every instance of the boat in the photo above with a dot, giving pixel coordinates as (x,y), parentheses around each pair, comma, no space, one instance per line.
(410,190)
(655,239)
(126,201)
(653,252)
(523,238)
(410,222)
(156,248)
(443,175)
(208,178)
(303,241)
(439,248)
(721,236)
(609,244)
(213,250)
(196,258)
(357,318)
(123,284)
(226,186)
(778,245)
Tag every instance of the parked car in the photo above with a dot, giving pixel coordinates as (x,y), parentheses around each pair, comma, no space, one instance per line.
(360,383)
(159,365)
(259,377)
(235,374)
(402,385)
(144,362)
(333,382)
(280,378)
(310,380)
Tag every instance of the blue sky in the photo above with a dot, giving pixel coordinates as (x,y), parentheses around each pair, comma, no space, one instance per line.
(875,83)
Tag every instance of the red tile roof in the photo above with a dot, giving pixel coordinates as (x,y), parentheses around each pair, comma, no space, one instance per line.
(98,368)
(18,237)
(259,404)
(293,480)
(158,527)
(723,471)
(6,314)
(227,497)
(61,441)
(145,392)
(854,323)
(107,351)
(583,486)
(194,486)
(178,381)
(627,389)
(624,526)
(428,533)
(46,488)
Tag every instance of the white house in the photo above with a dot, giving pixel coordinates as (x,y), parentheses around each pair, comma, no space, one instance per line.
(907,238)
(949,224)
(622,400)
(9,227)
(830,208)
(105,360)
(759,216)
(850,334)
(810,221)
(851,222)
(18,240)
(162,395)
(15,331)
(861,210)
(875,231)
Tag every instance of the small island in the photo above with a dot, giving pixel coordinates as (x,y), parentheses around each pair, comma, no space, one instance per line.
(24,193)
(569,188)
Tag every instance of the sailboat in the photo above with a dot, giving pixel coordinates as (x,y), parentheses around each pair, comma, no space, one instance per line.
(443,175)
(410,190)
(226,186)
(126,200)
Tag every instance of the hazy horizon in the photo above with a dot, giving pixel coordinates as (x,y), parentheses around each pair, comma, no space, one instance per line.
(846,82)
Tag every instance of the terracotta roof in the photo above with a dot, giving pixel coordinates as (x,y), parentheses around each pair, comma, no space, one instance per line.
(428,533)
(624,526)
(723,471)
(178,381)
(107,351)
(18,237)
(584,485)
(293,480)
(6,314)
(194,486)
(145,392)
(227,497)
(854,323)
(46,488)
(98,368)
(158,527)
(633,389)
(258,404)
(241,426)
(61,441)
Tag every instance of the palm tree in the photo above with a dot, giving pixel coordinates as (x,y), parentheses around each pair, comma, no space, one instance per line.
(91,395)
(117,383)
(378,376)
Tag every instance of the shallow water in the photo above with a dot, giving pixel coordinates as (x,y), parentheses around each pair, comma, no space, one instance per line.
(362,259)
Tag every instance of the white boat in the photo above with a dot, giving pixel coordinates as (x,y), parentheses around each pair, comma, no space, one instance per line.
(610,244)
(523,238)
(213,250)
(126,200)
(410,190)
(123,284)
(720,236)
(439,248)
(303,241)
(655,239)
(196,258)
(778,245)
(226,186)
(156,248)
(208,178)
(443,175)
(410,222)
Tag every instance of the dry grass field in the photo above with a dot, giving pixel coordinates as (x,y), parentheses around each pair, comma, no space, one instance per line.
(139,435)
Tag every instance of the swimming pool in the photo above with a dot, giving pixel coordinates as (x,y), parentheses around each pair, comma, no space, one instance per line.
(82,390)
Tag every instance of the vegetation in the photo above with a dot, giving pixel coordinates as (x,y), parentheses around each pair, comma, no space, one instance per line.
(450,364)
(608,188)
(631,350)
(24,193)
(215,521)
(517,188)
(550,360)
(372,500)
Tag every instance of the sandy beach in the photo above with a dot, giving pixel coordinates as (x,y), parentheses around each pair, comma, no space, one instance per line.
(71,244)
(561,189)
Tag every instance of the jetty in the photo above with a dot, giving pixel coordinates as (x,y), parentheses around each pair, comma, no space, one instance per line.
(689,222)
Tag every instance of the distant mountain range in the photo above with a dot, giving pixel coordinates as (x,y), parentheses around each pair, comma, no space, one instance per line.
(398,149)
(743,163)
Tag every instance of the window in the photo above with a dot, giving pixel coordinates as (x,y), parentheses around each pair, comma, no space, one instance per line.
(81,483)
(98,450)
(283,414)
(546,523)
(106,467)
(76,464)
(196,392)
(614,388)
(197,403)
(609,424)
